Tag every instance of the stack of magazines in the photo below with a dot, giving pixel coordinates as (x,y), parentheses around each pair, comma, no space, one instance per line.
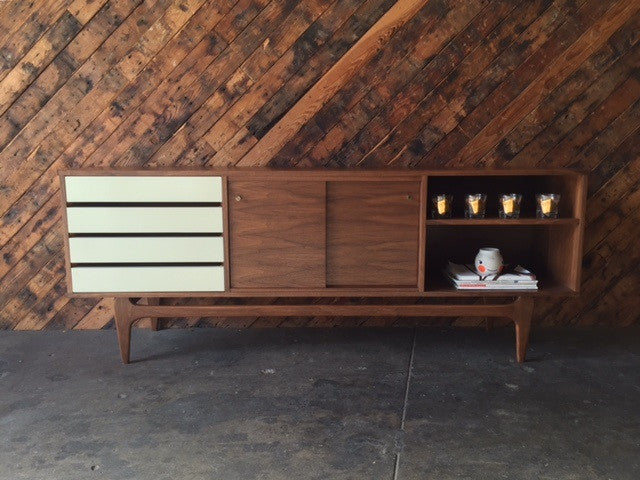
(464,277)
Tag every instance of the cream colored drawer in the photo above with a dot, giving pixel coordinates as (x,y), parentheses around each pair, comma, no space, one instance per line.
(146,249)
(100,189)
(144,219)
(147,279)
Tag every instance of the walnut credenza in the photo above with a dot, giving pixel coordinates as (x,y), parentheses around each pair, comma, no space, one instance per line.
(258,233)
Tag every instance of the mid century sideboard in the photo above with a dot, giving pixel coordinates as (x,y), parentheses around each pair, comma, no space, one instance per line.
(141,236)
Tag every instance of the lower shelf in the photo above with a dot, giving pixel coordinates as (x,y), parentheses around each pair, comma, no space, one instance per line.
(440,287)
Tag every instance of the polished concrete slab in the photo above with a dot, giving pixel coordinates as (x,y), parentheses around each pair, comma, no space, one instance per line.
(320,404)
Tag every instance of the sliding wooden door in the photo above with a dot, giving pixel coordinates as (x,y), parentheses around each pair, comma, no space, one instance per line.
(372,233)
(277,234)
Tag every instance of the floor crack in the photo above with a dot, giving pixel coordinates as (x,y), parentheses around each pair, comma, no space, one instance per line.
(396,466)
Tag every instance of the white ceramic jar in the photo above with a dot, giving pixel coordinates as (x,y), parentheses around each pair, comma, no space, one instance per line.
(489,262)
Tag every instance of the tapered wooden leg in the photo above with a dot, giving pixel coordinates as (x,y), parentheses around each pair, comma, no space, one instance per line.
(155,324)
(123,320)
(523,312)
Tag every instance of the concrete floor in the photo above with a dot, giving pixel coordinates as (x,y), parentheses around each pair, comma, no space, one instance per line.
(320,404)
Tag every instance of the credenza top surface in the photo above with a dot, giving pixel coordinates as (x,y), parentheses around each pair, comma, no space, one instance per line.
(321,173)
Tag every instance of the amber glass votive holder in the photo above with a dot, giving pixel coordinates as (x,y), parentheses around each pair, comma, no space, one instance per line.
(441,206)
(509,205)
(475,205)
(547,205)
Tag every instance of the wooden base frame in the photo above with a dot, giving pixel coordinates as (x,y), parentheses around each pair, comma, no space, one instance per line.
(128,310)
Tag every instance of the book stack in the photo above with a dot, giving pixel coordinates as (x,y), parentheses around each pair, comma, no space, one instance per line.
(464,277)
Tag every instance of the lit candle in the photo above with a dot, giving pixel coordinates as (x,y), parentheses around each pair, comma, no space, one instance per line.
(475,205)
(441,206)
(547,205)
(509,205)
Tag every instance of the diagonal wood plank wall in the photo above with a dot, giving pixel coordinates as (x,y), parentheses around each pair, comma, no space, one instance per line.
(336,83)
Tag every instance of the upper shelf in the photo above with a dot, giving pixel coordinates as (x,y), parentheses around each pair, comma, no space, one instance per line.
(463,222)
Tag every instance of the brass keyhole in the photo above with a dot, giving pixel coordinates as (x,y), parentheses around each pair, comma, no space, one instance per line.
(409,197)
(238,198)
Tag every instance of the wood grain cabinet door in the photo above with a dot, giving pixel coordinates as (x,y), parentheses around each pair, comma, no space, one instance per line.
(276,234)
(372,233)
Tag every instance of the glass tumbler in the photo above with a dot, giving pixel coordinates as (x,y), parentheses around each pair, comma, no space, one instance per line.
(547,205)
(475,205)
(509,205)
(441,206)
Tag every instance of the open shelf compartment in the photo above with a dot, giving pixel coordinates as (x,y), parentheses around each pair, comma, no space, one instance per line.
(548,250)
(567,185)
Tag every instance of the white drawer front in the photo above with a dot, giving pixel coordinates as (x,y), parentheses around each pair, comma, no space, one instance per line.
(143,189)
(147,279)
(144,219)
(146,249)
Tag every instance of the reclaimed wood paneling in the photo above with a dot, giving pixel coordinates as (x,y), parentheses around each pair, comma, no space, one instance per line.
(326,83)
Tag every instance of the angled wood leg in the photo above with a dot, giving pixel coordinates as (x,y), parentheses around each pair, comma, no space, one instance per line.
(155,323)
(522,314)
(123,320)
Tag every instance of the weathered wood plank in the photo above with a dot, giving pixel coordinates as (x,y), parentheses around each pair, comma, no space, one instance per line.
(449,94)
(566,151)
(607,140)
(97,317)
(63,31)
(561,67)
(317,66)
(166,111)
(58,72)
(372,94)
(564,108)
(331,82)
(456,122)
(20,32)
(303,61)
(292,55)
(256,66)
(385,137)
(396,56)
(16,288)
